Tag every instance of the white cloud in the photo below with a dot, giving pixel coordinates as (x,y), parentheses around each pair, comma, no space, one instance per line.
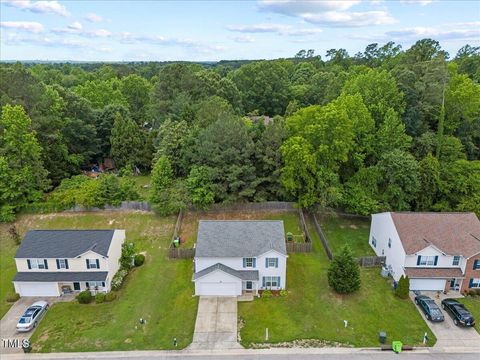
(419,2)
(77,29)
(329,13)
(40,40)
(244,39)
(280,29)
(30,26)
(75,26)
(95,18)
(43,7)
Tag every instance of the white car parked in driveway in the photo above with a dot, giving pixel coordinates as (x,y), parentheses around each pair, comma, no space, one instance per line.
(32,316)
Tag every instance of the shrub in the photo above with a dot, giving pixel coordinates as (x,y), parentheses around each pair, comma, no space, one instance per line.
(139,259)
(473,293)
(126,259)
(100,298)
(403,287)
(283,292)
(12,297)
(110,296)
(118,278)
(14,235)
(85,297)
(267,294)
(344,272)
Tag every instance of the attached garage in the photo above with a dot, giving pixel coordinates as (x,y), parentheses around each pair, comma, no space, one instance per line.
(216,288)
(218,280)
(427,284)
(37,288)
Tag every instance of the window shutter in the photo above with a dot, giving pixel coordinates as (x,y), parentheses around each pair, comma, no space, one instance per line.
(418,259)
(88,263)
(278,281)
(263,281)
(470,284)
(475,265)
(66,263)
(86,284)
(98,264)
(46,263)
(58,264)
(266,262)
(244,262)
(276,262)
(436,261)
(254,262)
(29,264)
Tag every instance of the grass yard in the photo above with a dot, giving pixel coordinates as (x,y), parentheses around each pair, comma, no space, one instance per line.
(473,304)
(312,311)
(141,181)
(160,291)
(189,228)
(340,230)
(7,267)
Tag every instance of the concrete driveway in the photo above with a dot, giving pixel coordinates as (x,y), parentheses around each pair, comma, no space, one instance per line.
(9,322)
(449,336)
(216,324)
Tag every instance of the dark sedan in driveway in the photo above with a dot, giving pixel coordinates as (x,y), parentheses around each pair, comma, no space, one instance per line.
(429,308)
(459,313)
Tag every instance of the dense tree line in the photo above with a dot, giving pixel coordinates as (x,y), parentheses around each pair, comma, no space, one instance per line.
(385,129)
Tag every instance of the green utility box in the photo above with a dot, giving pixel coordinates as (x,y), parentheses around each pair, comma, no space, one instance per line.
(176,242)
(397,346)
(289,236)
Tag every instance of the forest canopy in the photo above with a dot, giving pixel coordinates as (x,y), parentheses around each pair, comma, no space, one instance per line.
(385,129)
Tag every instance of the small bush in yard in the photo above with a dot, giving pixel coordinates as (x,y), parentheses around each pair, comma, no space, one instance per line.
(110,296)
(283,293)
(100,298)
(12,297)
(85,297)
(118,278)
(267,294)
(403,287)
(473,292)
(344,272)
(139,259)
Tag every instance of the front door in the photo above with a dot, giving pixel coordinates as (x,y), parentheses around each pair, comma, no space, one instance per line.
(249,285)
(76,286)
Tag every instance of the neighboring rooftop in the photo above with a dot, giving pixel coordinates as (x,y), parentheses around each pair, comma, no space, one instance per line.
(239,238)
(241,274)
(452,233)
(64,243)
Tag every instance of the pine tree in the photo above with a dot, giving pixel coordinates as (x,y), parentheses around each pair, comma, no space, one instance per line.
(403,287)
(126,141)
(344,272)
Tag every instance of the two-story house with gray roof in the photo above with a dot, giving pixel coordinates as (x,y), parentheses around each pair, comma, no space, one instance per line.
(234,257)
(51,262)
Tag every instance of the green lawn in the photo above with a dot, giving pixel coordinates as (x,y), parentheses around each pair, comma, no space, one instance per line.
(160,291)
(341,230)
(141,181)
(473,305)
(7,267)
(312,311)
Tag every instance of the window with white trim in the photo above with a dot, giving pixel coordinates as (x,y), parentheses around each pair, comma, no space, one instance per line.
(475,283)
(95,284)
(62,263)
(37,263)
(271,262)
(456,260)
(249,262)
(427,260)
(92,264)
(271,281)
(374,241)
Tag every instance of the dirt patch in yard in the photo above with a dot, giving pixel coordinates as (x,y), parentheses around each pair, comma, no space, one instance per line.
(304,343)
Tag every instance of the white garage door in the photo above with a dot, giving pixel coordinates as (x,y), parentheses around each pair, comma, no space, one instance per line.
(427,284)
(217,289)
(37,289)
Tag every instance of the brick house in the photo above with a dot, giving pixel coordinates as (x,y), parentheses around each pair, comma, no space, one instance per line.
(438,251)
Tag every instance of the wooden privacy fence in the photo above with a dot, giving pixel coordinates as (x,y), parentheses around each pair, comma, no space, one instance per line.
(263,206)
(125,205)
(369,261)
(293,247)
(301,215)
(179,253)
(322,237)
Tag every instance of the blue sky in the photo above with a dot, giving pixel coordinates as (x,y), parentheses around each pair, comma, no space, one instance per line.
(90,30)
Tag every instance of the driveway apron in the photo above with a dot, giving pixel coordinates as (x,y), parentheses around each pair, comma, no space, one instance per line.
(216,324)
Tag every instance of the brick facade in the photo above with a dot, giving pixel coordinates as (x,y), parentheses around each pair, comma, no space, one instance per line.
(470,273)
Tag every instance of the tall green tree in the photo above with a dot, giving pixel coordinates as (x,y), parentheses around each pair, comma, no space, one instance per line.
(344,272)
(23,179)
(126,141)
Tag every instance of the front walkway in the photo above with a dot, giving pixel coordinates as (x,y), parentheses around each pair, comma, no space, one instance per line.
(449,336)
(216,324)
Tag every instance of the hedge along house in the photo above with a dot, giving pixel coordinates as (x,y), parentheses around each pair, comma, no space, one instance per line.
(438,251)
(53,262)
(236,257)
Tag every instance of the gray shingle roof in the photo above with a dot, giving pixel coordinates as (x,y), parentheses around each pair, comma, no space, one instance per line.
(64,243)
(61,276)
(241,274)
(239,238)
